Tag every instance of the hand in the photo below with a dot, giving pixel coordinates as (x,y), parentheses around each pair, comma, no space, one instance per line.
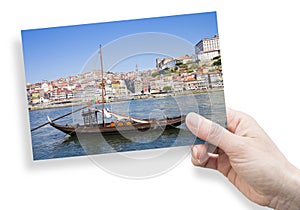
(248,158)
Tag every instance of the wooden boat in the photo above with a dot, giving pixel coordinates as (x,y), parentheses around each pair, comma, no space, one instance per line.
(119,126)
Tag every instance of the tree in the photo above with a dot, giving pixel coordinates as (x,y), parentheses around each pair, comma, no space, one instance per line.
(166,88)
(183,66)
(194,66)
(217,57)
(217,61)
(178,63)
(154,74)
(165,71)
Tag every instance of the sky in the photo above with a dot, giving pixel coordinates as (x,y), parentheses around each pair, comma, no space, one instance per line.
(59,52)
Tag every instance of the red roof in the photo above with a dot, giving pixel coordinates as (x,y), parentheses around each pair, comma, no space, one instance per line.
(184,57)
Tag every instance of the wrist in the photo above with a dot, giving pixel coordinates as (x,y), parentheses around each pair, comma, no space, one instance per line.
(288,197)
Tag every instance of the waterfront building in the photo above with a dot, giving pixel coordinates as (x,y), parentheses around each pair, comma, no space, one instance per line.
(69,95)
(208,48)
(168,78)
(122,88)
(165,63)
(185,59)
(215,80)
(177,86)
(203,81)
(45,86)
(147,88)
(190,84)
(208,55)
(138,87)
(168,63)
(138,83)
(71,87)
(35,97)
(153,87)
(130,74)
(115,85)
(59,94)
(108,91)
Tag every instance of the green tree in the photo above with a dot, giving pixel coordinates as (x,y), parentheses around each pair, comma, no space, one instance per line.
(194,66)
(178,63)
(154,74)
(217,61)
(183,66)
(217,57)
(166,72)
(166,88)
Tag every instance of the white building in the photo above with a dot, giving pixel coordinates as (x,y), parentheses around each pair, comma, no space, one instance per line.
(138,87)
(208,55)
(45,87)
(208,48)
(164,63)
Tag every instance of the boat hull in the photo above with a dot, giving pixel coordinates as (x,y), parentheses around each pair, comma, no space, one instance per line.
(108,129)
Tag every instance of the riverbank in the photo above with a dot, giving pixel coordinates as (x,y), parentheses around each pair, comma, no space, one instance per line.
(137,97)
(54,106)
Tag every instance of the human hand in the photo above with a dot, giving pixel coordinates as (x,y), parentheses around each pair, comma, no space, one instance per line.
(248,158)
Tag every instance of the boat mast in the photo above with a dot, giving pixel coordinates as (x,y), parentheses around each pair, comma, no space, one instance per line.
(102,84)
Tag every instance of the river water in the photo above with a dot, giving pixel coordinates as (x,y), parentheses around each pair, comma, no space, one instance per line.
(47,142)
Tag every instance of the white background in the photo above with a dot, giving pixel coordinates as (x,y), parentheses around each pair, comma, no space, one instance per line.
(260,53)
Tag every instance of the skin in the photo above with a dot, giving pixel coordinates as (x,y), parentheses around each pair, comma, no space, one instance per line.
(248,158)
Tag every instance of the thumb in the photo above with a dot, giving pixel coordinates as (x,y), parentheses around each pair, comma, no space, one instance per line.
(210,132)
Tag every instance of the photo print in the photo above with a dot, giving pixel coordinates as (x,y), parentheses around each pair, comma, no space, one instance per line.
(121,86)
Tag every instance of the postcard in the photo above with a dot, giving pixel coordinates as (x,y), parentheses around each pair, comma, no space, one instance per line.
(121,86)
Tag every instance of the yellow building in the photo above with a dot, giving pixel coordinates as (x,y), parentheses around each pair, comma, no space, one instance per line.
(116,87)
(35,97)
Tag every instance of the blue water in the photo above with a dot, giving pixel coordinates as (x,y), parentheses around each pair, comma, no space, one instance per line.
(47,142)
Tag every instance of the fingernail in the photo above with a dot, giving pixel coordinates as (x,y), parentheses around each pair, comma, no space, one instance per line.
(195,152)
(193,122)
